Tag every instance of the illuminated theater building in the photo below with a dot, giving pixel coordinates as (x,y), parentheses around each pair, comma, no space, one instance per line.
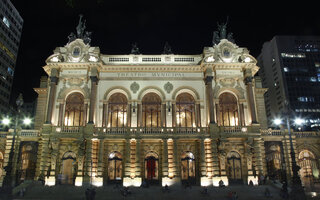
(163,119)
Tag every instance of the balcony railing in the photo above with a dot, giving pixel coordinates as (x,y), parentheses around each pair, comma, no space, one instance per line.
(29,133)
(68,129)
(151,130)
(271,132)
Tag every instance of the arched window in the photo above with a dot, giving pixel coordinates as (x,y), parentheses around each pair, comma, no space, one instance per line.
(309,170)
(228,110)
(151,110)
(117,110)
(115,166)
(185,110)
(74,110)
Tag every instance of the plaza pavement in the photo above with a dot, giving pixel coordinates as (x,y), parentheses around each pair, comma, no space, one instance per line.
(65,192)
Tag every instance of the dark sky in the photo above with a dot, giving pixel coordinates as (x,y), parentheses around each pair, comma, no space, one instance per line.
(186,24)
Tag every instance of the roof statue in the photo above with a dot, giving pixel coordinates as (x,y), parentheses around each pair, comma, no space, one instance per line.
(135,49)
(167,49)
(221,33)
(81,33)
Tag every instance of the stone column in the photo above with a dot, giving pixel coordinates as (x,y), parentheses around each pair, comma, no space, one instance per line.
(203,167)
(242,119)
(88,162)
(252,105)
(53,85)
(60,120)
(173,114)
(128,115)
(198,114)
(138,160)
(127,160)
(176,160)
(85,113)
(163,114)
(100,158)
(209,94)
(165,158)
(139,111)
(94,82)
(215,159)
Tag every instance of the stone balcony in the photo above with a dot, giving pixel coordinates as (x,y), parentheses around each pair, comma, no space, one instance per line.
(223,131)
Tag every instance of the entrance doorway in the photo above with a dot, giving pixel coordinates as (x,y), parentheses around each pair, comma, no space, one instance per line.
(188,168)
(234,168)
(115,167)
(68,173)
(151,168)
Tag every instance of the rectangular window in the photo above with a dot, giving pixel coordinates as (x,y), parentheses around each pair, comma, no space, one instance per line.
(6,22)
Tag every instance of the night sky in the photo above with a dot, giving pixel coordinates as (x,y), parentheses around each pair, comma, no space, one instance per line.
(187,25)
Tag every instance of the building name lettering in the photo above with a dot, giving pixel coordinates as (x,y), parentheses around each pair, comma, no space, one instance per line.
(153,74)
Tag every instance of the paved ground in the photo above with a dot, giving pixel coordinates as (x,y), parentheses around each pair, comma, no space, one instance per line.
(152,193)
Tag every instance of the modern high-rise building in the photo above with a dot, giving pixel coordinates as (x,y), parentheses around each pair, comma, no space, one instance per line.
(290,69)
(10,34)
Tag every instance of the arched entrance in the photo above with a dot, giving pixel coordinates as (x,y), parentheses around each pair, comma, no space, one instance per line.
(151,164)
(115,167)
(27,161)
(234,171)
(67,175)
(188,167)
(308,168)
(275,163)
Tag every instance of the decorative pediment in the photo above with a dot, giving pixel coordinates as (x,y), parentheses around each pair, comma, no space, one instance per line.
(227,52)
(75,52)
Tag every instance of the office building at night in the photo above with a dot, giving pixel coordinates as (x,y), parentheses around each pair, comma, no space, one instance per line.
(10,34)
(290,69)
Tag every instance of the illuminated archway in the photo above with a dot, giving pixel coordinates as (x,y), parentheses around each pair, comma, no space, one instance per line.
(74,110)
(117,110)
(188,167)
(185,110)
(115,166)
(228,110)
(151,110)
(151,164)
(308,167)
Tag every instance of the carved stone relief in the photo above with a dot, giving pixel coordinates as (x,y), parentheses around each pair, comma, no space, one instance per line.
(168,87)
(134,87)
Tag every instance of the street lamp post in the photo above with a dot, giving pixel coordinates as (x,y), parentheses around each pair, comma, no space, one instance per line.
(297,191)
(9,181)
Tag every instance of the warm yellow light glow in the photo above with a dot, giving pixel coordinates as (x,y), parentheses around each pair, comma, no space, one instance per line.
(205,181)
(50,181)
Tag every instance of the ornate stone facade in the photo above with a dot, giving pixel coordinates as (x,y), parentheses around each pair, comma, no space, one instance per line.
(163,119)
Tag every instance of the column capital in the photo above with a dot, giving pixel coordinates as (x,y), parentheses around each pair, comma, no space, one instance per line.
(248,80)
(208,79)
(54,79)
(94,78)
